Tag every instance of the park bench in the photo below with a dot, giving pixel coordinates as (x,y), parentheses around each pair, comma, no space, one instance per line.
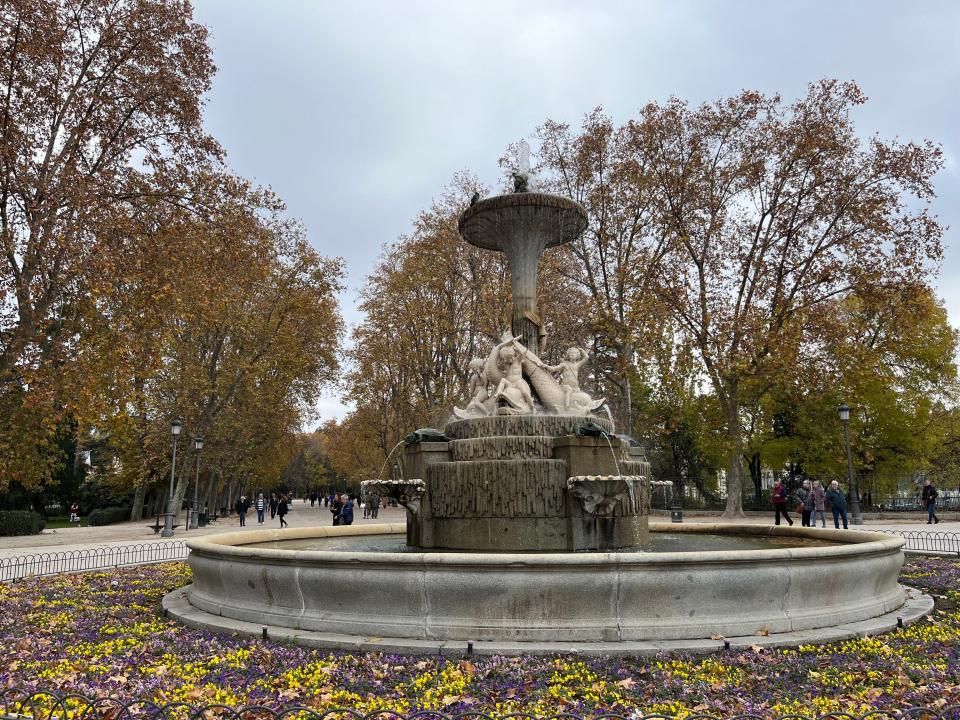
(158,526)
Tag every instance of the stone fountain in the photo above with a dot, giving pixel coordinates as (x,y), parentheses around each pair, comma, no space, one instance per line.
(527,527)
(517,462)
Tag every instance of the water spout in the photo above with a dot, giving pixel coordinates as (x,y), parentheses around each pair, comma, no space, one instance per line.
(616,464)
(389,455)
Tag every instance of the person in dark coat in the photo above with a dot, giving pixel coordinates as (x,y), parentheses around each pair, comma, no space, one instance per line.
(273,505)
(838,504)
(335,507)
(346,512)
(779,497)
(242,506)
(805,501)
(283,506)
(929,500)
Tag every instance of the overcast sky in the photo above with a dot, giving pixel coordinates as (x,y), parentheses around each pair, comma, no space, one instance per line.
(358,113)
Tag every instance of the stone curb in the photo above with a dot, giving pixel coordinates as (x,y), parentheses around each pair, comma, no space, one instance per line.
(176,604)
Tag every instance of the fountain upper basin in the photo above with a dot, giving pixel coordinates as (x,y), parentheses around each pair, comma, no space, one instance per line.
(586,598)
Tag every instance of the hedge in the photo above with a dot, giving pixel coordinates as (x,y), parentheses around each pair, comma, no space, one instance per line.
(21,522)
(108,516)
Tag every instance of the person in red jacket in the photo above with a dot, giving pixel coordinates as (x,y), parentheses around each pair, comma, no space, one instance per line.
(779,497)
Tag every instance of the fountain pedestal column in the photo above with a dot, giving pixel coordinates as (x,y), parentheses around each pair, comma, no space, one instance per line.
(521,226)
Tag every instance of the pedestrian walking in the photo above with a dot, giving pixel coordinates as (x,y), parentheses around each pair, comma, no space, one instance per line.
(283,506)
(929,500)
(819,505)
(273,505)
(779,497)
(805,503)
(335,507)
(374,505)
(366,506)
(838,504)
(242,506)
(261,505)
(346,512)
(75,512)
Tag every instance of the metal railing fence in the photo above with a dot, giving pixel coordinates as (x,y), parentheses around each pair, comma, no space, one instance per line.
(946,543)
(94,558)
(16,704)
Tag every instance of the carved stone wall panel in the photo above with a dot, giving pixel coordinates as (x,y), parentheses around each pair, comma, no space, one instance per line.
(636,467)
(506,425)
(497,488)
(519,447)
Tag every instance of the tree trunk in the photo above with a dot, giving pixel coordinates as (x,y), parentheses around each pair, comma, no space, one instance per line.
(756,474)
(136,512)
(180,488)
(735,468)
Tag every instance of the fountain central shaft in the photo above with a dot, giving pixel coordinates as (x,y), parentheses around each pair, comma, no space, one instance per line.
(521,226)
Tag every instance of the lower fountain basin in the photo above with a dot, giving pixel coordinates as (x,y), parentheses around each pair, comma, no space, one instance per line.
(827,578)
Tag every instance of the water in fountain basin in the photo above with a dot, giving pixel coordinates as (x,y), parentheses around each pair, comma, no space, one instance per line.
(659,542)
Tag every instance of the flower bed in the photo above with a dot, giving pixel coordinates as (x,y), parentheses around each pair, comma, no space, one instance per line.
(101,634)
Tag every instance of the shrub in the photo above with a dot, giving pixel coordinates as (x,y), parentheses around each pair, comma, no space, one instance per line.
(21,522)
(108,516)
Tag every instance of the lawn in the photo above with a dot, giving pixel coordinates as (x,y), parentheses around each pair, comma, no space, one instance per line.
(56,522)
(102,634)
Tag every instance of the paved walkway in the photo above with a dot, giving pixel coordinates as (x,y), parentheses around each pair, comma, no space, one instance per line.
(77,538)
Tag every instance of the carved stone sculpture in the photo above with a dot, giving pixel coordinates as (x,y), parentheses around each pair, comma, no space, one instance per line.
(599,494)
(512,395)
(481,402)
(499,386)
(575,400)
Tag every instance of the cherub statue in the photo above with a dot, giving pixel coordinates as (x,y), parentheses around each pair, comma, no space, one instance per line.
(512,389)
(575,399)
(481,403)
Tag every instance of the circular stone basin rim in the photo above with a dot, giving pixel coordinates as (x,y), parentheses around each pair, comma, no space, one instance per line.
(849,543)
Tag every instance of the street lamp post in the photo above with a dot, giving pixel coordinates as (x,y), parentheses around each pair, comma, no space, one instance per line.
(855,517)
(168,515)
(198,446)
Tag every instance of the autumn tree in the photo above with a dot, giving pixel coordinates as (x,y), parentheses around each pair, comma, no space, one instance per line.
(96,95)
(250,337)
(770,212)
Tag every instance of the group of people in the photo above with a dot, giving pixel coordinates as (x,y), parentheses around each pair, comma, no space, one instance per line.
(371,506)
(811,500)
(278,507)
(341,507)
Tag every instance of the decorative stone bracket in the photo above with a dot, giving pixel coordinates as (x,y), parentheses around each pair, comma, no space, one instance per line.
(599,494)
(409,493)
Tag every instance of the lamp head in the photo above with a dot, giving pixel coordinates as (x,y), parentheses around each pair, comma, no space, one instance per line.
(175,427)
(198,443)
(844,411)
